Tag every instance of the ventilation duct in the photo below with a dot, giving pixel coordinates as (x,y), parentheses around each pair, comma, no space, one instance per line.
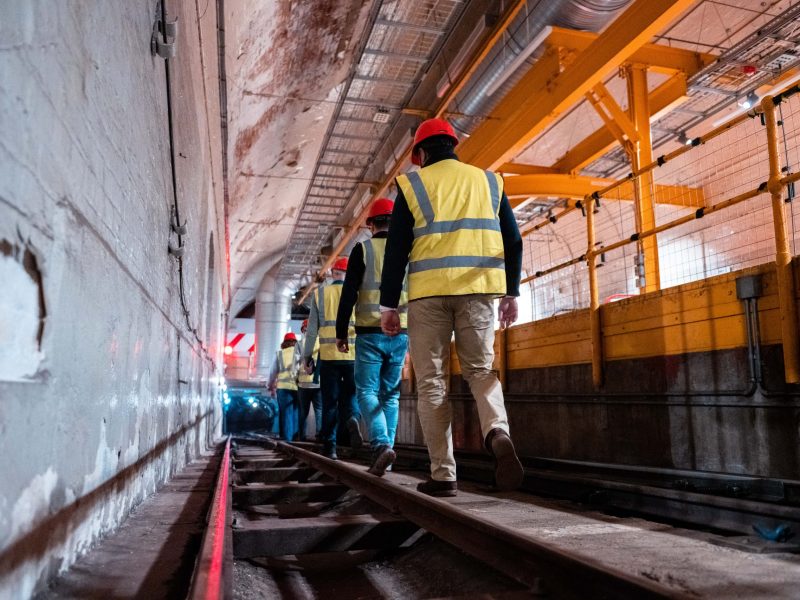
(590,15)
(273,310)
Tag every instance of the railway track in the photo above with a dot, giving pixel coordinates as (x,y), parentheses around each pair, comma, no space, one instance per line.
(738,506)
(276,503)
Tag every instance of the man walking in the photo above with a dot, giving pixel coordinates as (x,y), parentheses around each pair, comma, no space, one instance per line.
(336,375)
(284,381)
(453,227)
(379,357)
(309,389)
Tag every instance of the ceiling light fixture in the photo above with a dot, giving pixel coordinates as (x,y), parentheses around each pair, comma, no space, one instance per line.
(749,101)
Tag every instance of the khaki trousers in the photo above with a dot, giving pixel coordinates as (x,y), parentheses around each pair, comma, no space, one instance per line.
(431,324)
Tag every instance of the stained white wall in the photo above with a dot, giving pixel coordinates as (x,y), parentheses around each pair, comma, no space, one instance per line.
(117,395)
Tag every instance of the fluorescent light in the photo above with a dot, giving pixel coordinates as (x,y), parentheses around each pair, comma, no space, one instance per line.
(521,58)
(782,85)
(749,101)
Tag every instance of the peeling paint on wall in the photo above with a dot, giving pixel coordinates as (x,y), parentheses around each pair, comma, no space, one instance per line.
(34,502)
(21,313)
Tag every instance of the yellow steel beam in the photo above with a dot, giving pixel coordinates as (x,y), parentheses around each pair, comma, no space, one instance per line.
(783,253)
(520,187)
(662,59)
(541,95)
(610,123)
(672,91)
(521,169)
(642,155)
(615,111)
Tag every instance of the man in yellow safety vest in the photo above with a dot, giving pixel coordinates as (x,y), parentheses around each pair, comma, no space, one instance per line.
(379,357)
(336,376)
(284,380)
(454,229)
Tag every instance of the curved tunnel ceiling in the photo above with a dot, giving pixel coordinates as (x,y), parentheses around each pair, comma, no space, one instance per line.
(285,62)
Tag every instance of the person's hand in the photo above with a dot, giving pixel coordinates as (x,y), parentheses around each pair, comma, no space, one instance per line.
(390,322)
(309,367)
(342,345)
(507,312)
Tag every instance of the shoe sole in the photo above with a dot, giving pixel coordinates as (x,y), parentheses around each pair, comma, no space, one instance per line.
(383,462)
(508,473)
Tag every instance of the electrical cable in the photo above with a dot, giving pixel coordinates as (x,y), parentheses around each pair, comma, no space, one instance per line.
(175,205)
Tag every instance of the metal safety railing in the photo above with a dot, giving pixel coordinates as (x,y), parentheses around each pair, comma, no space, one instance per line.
(683,187)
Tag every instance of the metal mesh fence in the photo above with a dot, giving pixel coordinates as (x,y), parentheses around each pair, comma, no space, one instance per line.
(701,231)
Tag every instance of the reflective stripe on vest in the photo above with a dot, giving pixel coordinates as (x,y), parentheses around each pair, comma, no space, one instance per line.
(458,247)
(327,299)
(368,312)
(287,376)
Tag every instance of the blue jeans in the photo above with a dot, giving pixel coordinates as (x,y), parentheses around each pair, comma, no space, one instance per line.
(310,397)
(379,366)
(338,397)
(289,407)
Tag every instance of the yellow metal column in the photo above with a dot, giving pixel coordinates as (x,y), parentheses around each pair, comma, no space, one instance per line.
(783,255)
(595,324)
(641,155)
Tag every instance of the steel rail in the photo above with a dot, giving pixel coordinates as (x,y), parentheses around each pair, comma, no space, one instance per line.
(522,558)
(211,579)
(645,491)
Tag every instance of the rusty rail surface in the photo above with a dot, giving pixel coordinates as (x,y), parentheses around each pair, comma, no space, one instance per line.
(212,577)
(531,562)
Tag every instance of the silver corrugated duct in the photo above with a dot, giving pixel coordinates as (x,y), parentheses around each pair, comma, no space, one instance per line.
(591,15)
(273,310)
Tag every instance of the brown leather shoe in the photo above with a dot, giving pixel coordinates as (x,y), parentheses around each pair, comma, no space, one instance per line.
(383,457)
(440,489)
(508,472)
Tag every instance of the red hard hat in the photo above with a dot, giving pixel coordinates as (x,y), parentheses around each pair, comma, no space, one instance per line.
(340,264)
(290,337)
(430,128)
(382,207)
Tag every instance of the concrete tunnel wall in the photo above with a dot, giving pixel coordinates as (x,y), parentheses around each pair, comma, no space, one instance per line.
(104,392)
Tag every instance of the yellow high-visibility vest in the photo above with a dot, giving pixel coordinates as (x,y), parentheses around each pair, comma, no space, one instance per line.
(287,372)
(458,247)
(327,299)
(304,377)
(368,312)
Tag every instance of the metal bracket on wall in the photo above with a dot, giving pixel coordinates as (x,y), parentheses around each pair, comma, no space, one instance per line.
(162,41)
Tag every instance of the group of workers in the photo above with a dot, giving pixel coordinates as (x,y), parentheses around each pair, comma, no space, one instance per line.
(439,257)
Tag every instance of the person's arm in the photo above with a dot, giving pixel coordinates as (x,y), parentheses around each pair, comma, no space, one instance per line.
(398,247)
(350,287)
(311,331)
(512,246)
